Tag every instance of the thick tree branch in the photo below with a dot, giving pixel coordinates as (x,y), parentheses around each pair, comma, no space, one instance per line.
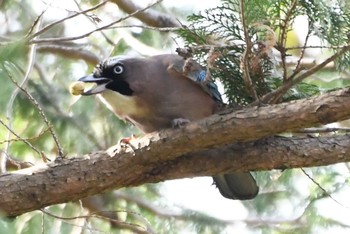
(167,155)
(150,17)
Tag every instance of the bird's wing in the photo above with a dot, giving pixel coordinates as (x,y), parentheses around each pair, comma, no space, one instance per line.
(195,72)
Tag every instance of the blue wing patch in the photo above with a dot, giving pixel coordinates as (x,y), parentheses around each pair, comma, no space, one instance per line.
(201,76)
(194,71)
(212,87)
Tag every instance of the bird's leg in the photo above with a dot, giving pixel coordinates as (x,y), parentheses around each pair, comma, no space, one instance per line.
(179,122)
(123,145)
(127,140)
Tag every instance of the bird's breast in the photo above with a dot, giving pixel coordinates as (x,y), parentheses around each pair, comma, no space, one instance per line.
(121,105)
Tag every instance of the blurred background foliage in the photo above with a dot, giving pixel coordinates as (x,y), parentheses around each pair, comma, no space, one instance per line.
(289,201)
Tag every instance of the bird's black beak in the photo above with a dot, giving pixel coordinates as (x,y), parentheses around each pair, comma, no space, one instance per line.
(101,83)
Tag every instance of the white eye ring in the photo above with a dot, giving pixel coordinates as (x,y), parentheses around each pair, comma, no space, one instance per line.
(118,69)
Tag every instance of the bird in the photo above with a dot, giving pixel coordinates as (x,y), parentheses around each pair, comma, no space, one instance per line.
(160,92)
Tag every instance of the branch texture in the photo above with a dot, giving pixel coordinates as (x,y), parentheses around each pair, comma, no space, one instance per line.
(219,144)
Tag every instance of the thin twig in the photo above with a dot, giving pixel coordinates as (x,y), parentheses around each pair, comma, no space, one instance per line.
(47,27)
(23,139)
(35,23)
(132,226)
(246,55)
(19,138)
(90,229)
(286,86)
(297,69)
(302,53)
(232,45)
(109,41)
(168,29)
(314,47)
(283,38)
(43,223)
(9,108)
(323,190)
(42,114)
(322,130)
(50,40)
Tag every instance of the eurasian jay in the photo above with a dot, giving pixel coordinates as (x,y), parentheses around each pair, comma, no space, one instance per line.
(157,92)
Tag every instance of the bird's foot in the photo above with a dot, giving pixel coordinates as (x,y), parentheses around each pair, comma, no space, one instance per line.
(179,123)
(127,140)
(124,145)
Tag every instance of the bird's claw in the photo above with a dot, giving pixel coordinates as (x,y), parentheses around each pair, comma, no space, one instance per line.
(179,123)
(127,140)
(123,145)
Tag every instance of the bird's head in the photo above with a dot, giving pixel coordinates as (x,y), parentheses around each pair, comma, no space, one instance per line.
(109,74)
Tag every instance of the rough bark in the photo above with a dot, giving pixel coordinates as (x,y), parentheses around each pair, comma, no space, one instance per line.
(221,143)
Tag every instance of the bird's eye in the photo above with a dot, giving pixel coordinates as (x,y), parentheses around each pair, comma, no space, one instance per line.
(118,69)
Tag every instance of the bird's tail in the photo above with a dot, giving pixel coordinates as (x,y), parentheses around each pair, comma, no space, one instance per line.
(237,185)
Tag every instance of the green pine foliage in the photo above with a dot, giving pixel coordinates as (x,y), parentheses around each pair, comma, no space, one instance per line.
(222,29)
